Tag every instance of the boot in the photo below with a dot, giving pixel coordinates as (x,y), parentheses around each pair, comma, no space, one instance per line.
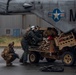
(8,64)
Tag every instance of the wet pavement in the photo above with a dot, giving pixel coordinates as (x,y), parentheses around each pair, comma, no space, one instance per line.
(32,69)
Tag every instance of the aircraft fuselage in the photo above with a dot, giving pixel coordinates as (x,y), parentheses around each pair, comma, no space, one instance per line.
(59,13)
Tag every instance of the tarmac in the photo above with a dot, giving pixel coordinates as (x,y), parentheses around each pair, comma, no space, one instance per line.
(32,69)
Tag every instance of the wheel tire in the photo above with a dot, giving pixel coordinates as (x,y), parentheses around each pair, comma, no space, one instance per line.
(68,59)
(50,60)
(34,57)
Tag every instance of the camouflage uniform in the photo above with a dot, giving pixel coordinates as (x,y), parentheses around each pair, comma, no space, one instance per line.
(9,55)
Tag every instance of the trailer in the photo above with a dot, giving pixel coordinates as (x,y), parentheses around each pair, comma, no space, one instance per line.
(65,50)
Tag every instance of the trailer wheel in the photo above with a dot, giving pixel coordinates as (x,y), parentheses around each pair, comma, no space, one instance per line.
(50,60)
(68,59)
(34,57)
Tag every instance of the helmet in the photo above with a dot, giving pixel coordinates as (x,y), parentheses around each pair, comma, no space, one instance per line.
(33,27)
